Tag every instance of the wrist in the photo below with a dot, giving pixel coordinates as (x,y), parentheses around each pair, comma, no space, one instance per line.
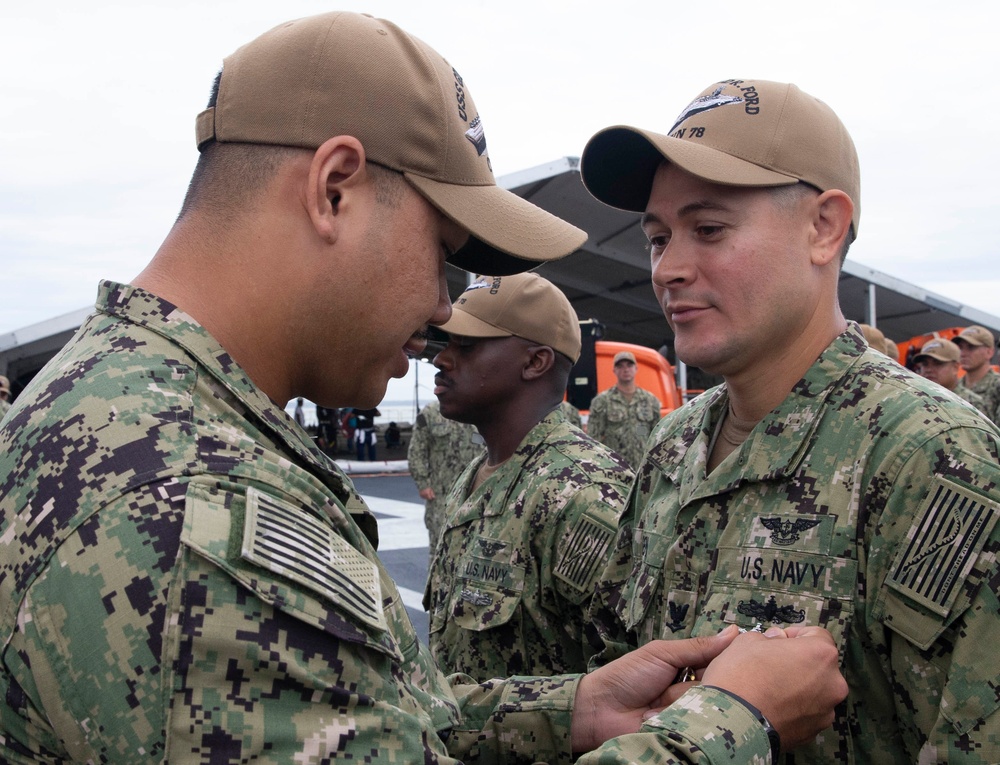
(770,731)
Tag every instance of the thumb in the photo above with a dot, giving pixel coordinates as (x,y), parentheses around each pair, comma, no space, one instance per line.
(693,652)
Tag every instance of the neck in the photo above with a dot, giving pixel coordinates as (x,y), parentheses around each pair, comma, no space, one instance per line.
(627,388)
(219,285)
(505,430)
(756,391)
(973,376)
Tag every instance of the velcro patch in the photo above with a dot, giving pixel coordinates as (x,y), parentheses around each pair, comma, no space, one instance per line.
(298,546)
(586,550)
(942,545)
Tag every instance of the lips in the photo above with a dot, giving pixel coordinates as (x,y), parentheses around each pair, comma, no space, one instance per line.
(441,383)
(416,344)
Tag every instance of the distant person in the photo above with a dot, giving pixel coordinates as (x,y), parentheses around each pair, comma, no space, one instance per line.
(4,396)
(874,337)
(530,523)
(349,425)
(978,345)
(938,361)
(327,425)
(819,483)
(624,415)
(440,449)
(393,436)
(571,413)
(892,350)
(365,434)
(300,413)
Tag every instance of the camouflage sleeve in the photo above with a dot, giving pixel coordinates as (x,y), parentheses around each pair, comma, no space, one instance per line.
(704,726)
(419,451)
(604,629)
(933,560)
(597,421)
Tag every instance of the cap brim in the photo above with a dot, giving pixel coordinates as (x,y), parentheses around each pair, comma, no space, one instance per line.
(467,325)
(618,165)
(508,234)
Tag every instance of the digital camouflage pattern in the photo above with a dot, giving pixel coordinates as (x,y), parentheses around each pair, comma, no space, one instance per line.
(989,389)
(4,408)
(572,414)
(184,576)
(967,394)
(866,503)
(622,424)
(440,449)
(512,576)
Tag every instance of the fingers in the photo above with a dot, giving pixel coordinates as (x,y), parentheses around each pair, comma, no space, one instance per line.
(694,652)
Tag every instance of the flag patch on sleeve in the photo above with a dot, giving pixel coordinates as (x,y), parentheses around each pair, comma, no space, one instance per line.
(941,546)
(300,547)
(586,549)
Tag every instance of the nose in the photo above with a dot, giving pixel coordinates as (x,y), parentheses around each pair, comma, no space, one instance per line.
(671,267)
(443,359)
(443,310)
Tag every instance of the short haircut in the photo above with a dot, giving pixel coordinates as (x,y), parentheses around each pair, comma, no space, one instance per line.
(787,197)
(230,176)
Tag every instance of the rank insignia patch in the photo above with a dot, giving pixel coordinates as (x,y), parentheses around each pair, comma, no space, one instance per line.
(942,545)
(771,611)
(678,613)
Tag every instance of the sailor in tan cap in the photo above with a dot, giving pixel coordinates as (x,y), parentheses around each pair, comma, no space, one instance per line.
(817,453)
(544,492)
(978,346)
(938,361)
(624,415)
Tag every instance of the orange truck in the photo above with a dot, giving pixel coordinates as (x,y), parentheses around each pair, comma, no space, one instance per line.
(594,372)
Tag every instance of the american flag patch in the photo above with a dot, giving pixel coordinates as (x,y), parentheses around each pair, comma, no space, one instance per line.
(290,542)
(586,550)
(942,545)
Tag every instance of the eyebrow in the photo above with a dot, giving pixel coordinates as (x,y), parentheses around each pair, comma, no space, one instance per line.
(686,211)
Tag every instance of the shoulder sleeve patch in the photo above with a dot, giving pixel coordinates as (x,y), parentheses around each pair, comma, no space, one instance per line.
(289,542)
(584,553)
(940,548)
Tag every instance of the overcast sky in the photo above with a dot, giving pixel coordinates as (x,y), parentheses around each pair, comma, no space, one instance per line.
(98,102)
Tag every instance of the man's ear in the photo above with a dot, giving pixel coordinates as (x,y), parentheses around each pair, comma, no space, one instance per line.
(336,175)
(540,359)
(831,225)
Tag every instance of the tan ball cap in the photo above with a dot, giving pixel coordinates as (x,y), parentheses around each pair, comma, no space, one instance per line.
(623,356)
(737,133)
(520,305)
(976,335)
(308,80)
(940,349)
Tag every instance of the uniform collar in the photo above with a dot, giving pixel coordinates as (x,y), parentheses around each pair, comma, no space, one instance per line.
(144,309)
(778,443)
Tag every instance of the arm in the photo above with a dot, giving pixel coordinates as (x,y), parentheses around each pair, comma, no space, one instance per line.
(942,680)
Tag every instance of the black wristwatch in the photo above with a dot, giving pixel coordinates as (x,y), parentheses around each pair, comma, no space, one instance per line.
(772,735)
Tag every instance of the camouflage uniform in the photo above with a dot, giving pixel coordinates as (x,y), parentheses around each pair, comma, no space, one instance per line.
(515,566)
(866,502)
(572,414)
(440,449)
(622,424)
(157,517)
(967,394)
(4,408)
(989,389)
